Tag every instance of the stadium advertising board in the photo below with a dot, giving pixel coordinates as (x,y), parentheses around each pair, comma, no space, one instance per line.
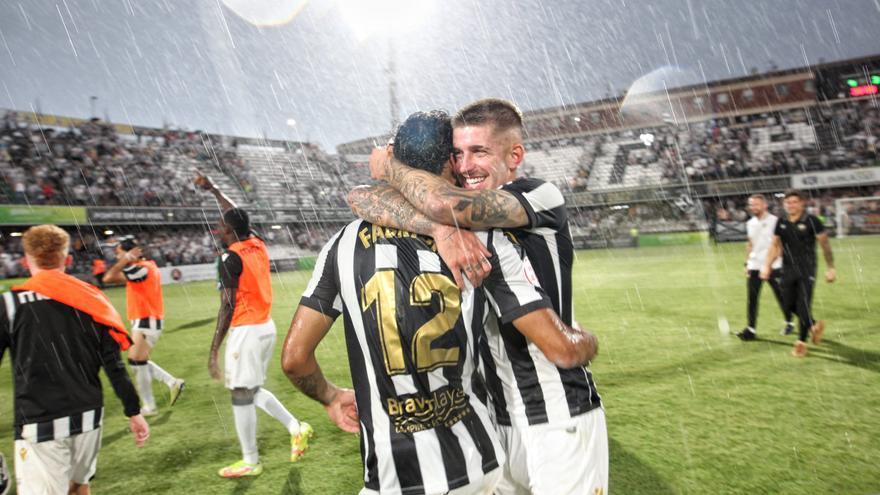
(151,216)
(729,231)
(35,215)
(671,192)
(188,273)
(836,178)
(673,239)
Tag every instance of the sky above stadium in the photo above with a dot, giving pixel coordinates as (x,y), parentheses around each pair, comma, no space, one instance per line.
(199,65)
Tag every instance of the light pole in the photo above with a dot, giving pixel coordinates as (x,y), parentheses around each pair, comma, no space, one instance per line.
(93,112)
(386,18)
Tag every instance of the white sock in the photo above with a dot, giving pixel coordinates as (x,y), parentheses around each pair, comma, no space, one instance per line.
(267,401)
(751,329)
(246,427)
(144,380)
(160,374)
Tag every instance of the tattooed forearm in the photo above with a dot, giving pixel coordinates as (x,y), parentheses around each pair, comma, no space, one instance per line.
(315,386)
(486,208)
(383,205)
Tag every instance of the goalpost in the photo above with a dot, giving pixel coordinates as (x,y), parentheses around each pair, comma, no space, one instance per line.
(857,216)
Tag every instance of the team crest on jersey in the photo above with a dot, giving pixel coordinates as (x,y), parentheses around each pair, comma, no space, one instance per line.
(22,453)
(802,227)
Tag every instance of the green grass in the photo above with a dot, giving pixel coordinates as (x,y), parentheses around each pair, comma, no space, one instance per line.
(691,409)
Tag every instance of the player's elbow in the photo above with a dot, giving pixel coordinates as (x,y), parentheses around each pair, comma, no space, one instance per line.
(355,196)
(292,361)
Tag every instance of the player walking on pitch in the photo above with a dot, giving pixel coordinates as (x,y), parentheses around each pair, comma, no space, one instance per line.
(760,230)
(412,341)
(550,418)
(795,238)
(245,306)
(145,308)
(61,332)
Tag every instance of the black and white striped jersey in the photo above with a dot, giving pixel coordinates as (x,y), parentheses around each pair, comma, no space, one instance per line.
(411,337)
(57,352)
(525,387)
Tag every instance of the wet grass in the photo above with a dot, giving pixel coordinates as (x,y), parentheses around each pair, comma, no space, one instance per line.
(691,409)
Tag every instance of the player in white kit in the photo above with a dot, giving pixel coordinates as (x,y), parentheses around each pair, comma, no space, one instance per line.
(760,233)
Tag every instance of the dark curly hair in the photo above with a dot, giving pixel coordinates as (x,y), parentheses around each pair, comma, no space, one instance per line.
(424,140)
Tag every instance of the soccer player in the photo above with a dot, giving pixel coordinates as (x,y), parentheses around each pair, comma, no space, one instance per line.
(61,332)
(245,314)
(145,309)
(760,230)
(412,339)
(795,239)
(550,418)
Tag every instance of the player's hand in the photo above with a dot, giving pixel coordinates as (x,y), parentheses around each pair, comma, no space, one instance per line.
(203,181)
(214,367)
(133,255)
(380,158)
(462,251)
(140,429)
(343,411)
(765,273)
(830,275)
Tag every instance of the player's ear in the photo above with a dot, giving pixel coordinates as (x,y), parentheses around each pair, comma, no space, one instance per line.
(517,153)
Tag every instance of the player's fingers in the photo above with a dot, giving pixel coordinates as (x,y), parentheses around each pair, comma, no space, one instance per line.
(483,250)
(456,274)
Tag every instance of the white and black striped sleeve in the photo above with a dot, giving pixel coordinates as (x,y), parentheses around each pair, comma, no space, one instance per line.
(322,293)
(543,202)
(135,273)
(7,315)
(512,287)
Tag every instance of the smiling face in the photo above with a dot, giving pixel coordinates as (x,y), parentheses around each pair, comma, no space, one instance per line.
(483,158)
(794,206)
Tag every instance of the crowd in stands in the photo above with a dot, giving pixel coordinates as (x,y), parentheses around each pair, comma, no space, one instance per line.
(823,137)
(85,165)
(92,164)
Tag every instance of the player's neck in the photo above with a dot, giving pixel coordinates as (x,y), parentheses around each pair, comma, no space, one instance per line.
(795,218)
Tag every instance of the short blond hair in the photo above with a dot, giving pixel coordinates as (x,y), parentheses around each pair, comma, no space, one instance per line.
(47,245)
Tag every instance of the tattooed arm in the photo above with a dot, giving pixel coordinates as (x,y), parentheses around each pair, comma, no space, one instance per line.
(460,249)
(383,205)
(442,202)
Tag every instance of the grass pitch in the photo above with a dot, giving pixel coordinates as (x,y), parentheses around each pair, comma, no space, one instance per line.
(690,408)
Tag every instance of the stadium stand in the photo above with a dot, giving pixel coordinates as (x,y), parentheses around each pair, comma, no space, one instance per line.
(646,172)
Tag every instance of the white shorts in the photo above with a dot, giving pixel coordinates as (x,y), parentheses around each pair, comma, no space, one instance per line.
(485,486)
(50,466)
(559,459)
(248,352)
(150,327)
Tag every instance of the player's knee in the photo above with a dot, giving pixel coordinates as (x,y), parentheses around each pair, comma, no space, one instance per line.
(243,396)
